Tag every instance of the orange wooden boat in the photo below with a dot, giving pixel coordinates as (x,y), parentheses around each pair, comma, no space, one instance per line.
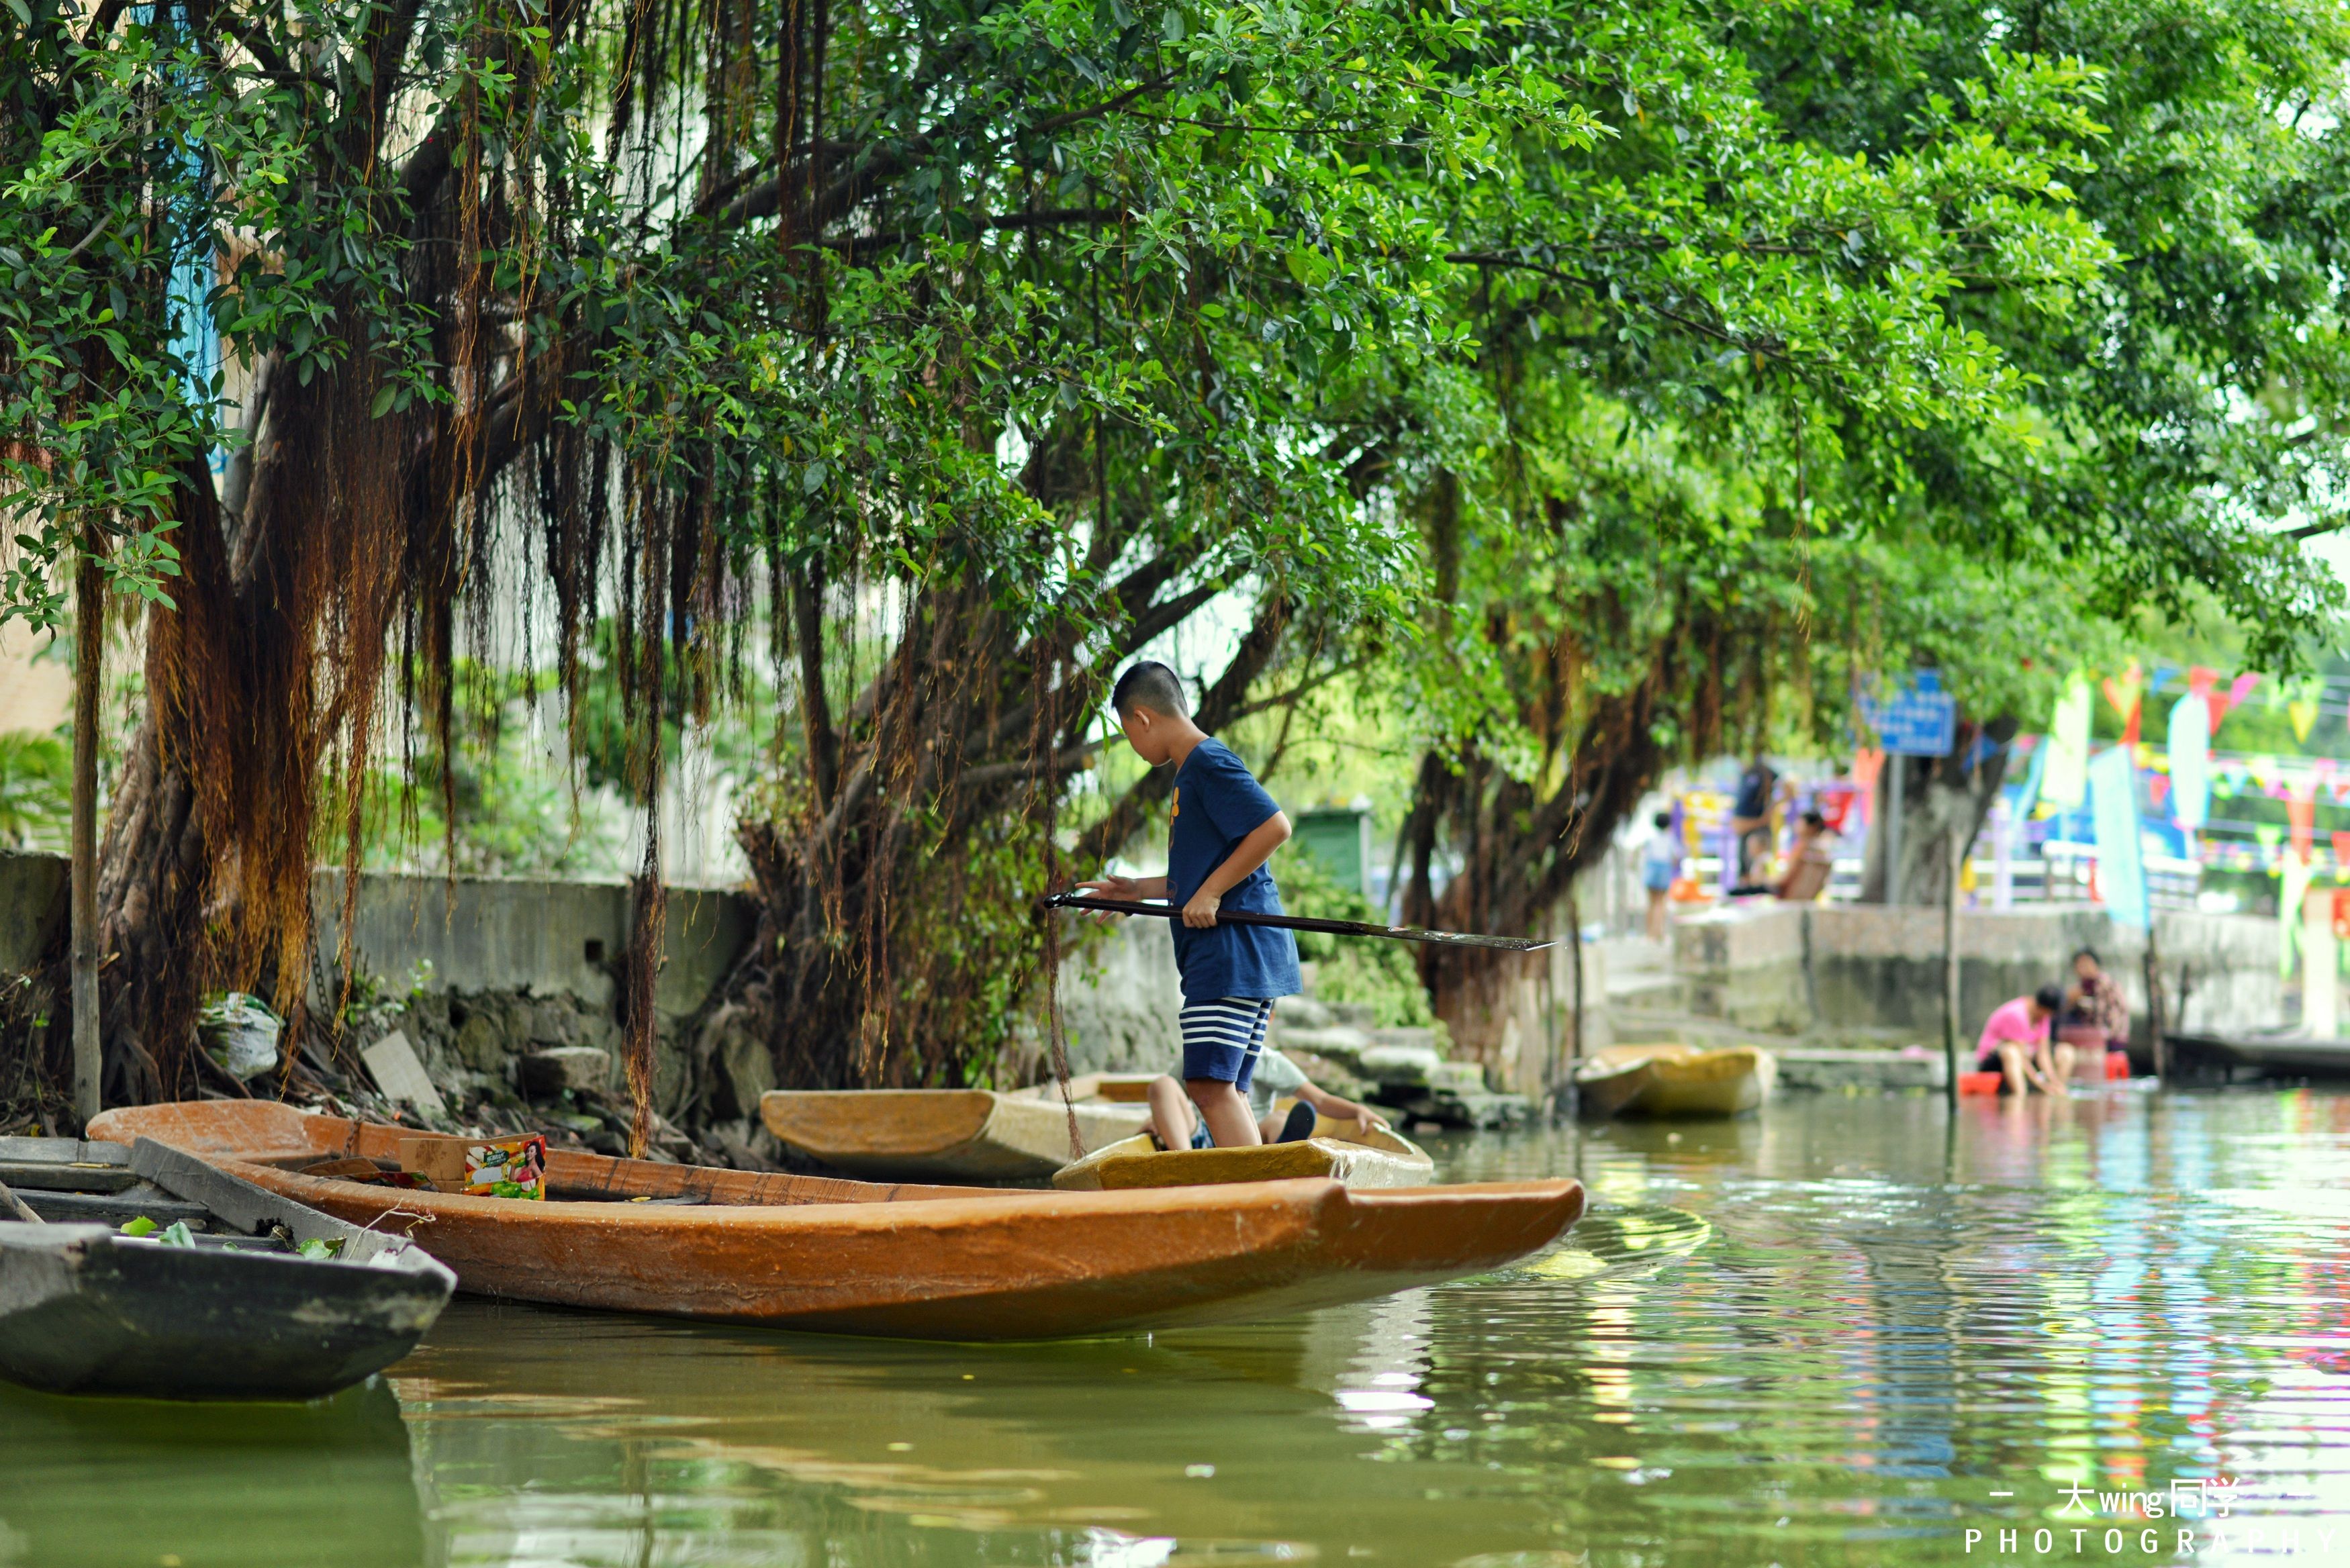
(850,1257)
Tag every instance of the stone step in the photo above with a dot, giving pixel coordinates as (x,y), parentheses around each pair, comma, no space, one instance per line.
(1821,1067)
(1647,989)
(1645,1026)
(1419,1066)
(1830,1059)
(1458,1108)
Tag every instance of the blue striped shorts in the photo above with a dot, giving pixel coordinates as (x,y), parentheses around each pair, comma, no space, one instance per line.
(1223,1038)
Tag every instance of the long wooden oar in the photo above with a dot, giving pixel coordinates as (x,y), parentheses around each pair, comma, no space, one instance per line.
(17,1206)
(1307,923)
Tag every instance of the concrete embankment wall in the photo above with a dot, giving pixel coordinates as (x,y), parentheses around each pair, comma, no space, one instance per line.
(505,967)
(1803,969)
(509,967)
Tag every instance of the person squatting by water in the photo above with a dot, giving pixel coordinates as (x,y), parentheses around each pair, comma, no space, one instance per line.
(1222,830)
(2015,1045)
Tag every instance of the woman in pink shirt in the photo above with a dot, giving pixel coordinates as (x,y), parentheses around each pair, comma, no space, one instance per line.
(2015,1045)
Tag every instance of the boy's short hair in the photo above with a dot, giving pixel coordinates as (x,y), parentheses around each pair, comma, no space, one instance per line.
(2051,998)
(1151,684)
(1815,821)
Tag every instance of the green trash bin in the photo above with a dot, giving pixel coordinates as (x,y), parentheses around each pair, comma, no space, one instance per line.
(1339,840)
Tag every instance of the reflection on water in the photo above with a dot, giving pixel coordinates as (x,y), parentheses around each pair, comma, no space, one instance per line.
(1836,1334)
(106,1483)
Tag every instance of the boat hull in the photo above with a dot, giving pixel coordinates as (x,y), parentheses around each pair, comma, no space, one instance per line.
(1676,1081)
(923,1262)
(235,1315)
(941,1135)
(2275,1055)
(84,1310)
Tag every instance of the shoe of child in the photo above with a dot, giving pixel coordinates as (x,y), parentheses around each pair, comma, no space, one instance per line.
(1300,1124)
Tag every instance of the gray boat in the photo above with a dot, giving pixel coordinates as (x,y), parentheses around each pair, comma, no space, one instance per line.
(2278,1053)
(230,1292)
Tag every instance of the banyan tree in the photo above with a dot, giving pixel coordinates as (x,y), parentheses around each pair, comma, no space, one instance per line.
(1043,326)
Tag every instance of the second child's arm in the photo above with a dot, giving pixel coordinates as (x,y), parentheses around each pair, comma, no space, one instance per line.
(1339,1109)
(1254,851)
(1126,887)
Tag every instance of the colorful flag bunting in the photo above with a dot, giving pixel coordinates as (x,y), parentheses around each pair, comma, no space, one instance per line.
(2124,693)
(2237,690)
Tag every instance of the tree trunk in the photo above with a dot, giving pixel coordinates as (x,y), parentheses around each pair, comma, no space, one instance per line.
(89,643)
(1941,797)
(1520,851)
(888,950)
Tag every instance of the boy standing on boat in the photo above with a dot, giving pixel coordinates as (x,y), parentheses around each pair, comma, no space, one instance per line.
(1222,828)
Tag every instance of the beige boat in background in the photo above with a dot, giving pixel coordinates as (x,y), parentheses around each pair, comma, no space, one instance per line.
(1342,1151)
(956,1135)
(1675,1081)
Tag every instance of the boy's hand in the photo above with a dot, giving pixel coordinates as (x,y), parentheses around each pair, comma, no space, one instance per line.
(1200,912)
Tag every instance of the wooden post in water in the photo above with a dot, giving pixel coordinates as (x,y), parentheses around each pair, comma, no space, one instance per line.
(1950,964)
(1893,827)
(1574,957)
(89,644)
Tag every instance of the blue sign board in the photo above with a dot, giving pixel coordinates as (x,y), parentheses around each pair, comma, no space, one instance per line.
(1920,720)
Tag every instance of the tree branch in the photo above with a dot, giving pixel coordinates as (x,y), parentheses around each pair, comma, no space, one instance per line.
(1070,761)
(880,160)
(1217,708)
(1055,218)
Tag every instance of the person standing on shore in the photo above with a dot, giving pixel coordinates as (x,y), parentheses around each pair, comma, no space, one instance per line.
(1661,865)
(1750,819)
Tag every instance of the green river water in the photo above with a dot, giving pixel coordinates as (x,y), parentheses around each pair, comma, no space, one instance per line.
(1844,1333)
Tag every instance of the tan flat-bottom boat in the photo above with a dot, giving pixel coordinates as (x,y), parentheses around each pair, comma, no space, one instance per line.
(849,1257)
(1675,1081)
(955,1134)
(1339,1151)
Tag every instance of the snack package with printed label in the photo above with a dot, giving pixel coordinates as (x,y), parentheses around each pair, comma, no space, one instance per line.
(507,1168)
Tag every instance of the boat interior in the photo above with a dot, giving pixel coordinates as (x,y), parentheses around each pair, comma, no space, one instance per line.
(395,1157)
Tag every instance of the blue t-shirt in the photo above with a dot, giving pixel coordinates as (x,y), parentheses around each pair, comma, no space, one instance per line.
(1218,803)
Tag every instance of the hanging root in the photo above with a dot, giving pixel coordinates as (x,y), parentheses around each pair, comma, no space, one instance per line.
(649,918)
(1056,1036)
